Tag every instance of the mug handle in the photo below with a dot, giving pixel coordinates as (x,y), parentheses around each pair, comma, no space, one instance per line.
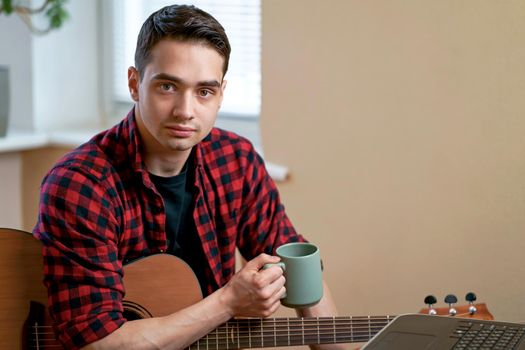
(280,264)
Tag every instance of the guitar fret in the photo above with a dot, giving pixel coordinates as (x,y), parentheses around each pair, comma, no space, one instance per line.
(369,329)
(227,333)
(217,339)
(333,322)
(288,331)
(249,334)
(262,335)
(351,330)
(302,324)
(238,339)
(318,332)
(36,334)
(274,334)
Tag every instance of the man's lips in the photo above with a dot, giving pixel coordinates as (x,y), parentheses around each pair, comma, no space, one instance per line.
(181,131)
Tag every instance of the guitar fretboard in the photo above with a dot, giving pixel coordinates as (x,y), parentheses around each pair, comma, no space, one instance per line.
(260,333)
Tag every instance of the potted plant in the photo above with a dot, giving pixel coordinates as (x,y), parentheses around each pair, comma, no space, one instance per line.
(52,9)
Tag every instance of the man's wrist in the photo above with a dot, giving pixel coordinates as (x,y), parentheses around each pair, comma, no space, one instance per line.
(224,299)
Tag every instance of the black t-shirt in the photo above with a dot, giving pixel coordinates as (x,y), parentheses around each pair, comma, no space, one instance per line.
(183,240)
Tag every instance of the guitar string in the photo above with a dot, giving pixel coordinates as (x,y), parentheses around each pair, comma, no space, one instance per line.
(328,321)
(270,329)
(302,338)
(339,333)
(266,324)
(322,321)
(294,336)
(292,333)
(241,344)
(286,333)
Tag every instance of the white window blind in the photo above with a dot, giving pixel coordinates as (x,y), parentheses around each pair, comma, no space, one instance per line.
(240,18)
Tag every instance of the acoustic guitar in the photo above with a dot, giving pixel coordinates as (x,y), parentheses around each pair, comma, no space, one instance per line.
(25,323)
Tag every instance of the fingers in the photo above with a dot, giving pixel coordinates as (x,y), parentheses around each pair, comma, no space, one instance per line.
(269,298)
(254,291)
(262,260)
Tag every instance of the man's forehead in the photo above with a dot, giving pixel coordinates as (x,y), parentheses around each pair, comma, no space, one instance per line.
(186,59)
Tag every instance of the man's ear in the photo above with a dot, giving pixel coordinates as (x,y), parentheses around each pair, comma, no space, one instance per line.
(133,83)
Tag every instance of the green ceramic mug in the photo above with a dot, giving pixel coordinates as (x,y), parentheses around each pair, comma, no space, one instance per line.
(301,263)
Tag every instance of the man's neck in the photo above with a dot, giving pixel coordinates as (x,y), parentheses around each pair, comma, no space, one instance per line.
(166,165)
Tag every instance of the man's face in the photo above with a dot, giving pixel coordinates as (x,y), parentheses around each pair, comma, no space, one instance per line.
(179,95)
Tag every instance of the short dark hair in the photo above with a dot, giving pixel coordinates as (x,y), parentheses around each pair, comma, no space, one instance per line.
(184,23)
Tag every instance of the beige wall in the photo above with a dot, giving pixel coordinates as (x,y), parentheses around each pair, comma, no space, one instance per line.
(35,164)
(10,190)
(403,125)
(21,173)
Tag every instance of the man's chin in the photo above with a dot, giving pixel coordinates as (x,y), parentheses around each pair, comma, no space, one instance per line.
(179,146)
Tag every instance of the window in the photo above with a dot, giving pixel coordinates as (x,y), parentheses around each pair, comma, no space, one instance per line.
(241,20)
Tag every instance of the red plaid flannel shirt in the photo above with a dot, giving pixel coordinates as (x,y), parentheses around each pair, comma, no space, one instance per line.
(99,208)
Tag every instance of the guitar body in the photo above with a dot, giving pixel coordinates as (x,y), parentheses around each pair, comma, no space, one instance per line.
(159,285)
(20,281)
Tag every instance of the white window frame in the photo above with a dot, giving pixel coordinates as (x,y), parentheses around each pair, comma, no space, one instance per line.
(115,108)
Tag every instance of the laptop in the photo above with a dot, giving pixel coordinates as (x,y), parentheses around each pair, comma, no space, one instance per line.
(425,332)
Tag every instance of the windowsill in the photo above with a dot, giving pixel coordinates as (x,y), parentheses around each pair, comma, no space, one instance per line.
(26,141)
(22,141)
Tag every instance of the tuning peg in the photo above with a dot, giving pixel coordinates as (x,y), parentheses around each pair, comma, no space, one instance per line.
(451,299)
(471,298)
(431,300)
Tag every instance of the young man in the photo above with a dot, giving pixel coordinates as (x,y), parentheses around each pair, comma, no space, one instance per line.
(164,180)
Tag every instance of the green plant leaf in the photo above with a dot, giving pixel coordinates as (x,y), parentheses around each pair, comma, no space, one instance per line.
(56,14)
(7,6)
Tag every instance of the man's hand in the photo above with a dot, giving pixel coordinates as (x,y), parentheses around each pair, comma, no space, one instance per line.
(253,292)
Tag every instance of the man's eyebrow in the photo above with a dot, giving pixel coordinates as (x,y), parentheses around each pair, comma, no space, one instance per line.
(175,79)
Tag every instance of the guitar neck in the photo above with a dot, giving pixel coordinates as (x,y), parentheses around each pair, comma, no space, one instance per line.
(273,332)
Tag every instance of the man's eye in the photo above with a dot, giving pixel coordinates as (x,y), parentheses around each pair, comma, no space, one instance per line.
(166,87)
(205,93)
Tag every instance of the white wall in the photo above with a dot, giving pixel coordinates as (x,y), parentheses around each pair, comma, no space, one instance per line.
(65,71)
(54,77)
(15,53)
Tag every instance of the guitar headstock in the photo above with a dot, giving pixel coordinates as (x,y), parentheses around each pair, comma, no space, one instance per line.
(471,310)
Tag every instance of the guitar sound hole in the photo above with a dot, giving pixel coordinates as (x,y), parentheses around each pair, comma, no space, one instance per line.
(134,311)
(131,315)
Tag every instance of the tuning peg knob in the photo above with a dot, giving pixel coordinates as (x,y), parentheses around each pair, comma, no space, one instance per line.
(471,298)
(451,299)
(431,300)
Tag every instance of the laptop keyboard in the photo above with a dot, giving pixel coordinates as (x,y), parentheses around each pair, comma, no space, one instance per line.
(474,335)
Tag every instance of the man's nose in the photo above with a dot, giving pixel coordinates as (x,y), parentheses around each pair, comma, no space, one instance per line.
(184,107)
